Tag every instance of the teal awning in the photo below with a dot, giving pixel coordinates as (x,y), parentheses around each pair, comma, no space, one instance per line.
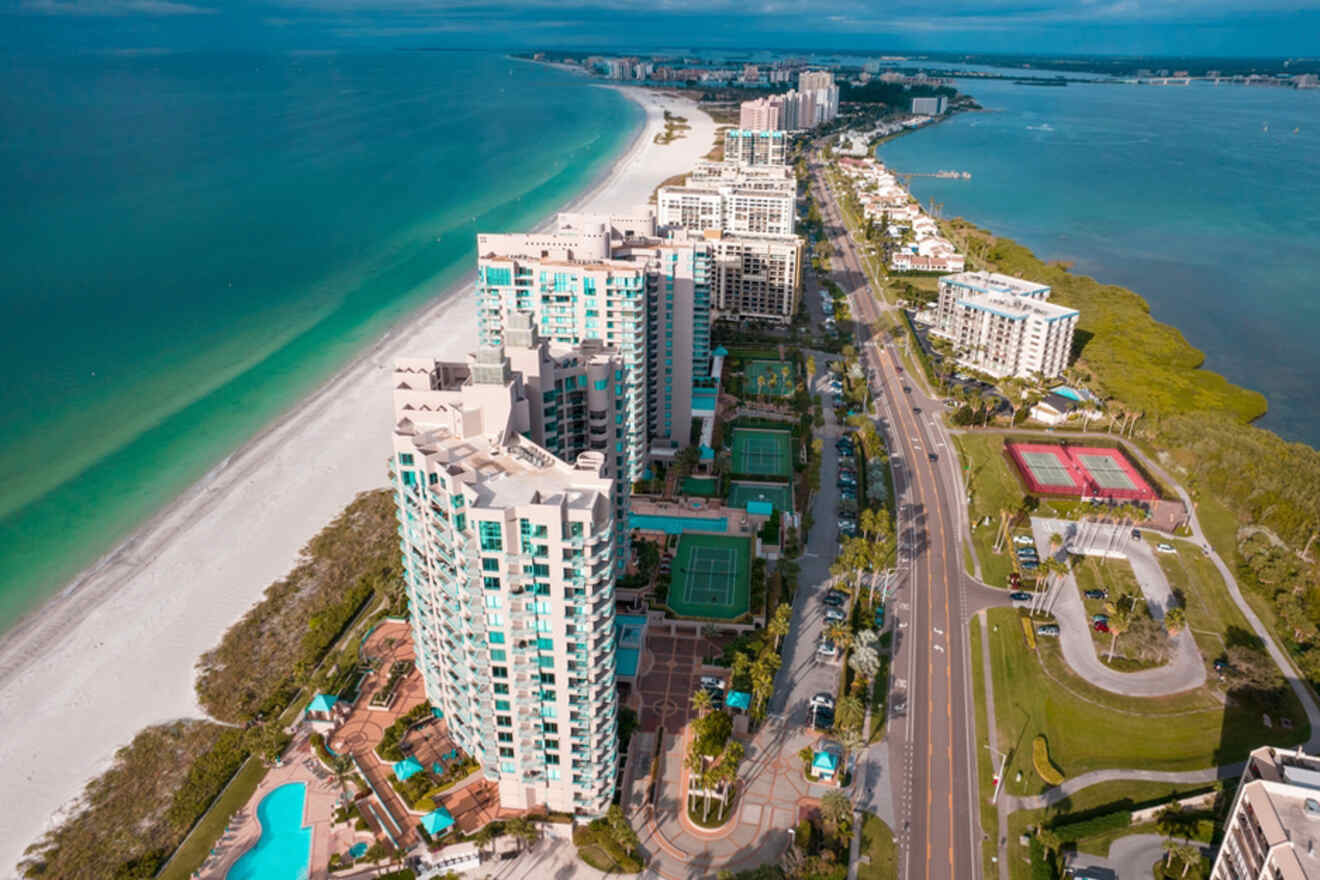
(760,508)
(322,703)
(437,820)
(738,700)
(407,768)
(721,351)
(437,712)
(707,454)
(825,762)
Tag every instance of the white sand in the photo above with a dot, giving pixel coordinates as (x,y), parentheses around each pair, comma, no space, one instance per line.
(117,652)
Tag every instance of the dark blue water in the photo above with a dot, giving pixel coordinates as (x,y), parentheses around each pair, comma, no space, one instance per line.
(1205,200)
(190,243)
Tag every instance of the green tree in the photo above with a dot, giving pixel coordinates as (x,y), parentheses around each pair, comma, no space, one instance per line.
(849,714)
(701,701)
(1120,620)
(778,626)
(835,810)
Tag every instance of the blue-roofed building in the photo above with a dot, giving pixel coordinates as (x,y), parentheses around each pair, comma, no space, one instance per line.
(824,765)
(437,821)
(739,700)
(407,768)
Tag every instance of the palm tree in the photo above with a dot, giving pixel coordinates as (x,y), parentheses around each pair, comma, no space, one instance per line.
(740,667)
(701,701)
(484,837)
(1190,855)
(840,633)
(835,809)
(341,766)
(779,624)
(523,830)
(849,713)
(763,683)
(1120,620)
(1174,620)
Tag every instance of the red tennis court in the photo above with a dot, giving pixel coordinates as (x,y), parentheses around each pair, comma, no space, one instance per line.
(1087,471)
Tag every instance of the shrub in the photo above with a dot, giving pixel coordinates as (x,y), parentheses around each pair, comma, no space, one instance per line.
(1072,831)
(1029,630)
(1040,758)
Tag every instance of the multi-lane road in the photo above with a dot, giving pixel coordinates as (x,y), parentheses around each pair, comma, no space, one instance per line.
(933,743)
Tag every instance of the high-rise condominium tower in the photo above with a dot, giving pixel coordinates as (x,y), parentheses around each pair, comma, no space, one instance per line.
(509,559)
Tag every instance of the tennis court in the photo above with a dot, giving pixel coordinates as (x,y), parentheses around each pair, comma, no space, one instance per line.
(1107,473)
(770,378)
(1048,469)
(762,452)
(711,576)
(777,494)
(700,487)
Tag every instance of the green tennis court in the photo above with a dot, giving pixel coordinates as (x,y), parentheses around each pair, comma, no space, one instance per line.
(762,452)
(770,378)
(711,576)
(777,494)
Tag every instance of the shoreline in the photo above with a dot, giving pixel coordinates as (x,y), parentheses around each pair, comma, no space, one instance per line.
(138,618)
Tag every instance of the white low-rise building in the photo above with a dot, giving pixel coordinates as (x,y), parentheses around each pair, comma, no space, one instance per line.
(1004,326)
(1274,826)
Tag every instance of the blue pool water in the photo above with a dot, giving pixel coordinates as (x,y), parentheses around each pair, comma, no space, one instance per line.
(284,851)
(675,525)
(357,850)
(628,633)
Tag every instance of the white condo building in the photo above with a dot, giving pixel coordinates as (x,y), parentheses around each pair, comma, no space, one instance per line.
(930,106)
(509,559)
(730,207)
(744,146)
(1004,326)
(1273,830)
(756,276)
(612,279)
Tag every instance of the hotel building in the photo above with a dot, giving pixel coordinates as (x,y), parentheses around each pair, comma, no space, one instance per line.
(509,562)
(1273,830)
(745,146)
(1004,326)
(930,106)
(756,276)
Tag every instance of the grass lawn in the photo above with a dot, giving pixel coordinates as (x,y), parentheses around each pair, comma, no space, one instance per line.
(1116,576)
(1104,797)
(878,846)
(194,850)
(985,762)
(1089,728)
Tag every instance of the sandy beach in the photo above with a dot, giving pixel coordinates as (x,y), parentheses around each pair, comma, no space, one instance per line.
(116,652)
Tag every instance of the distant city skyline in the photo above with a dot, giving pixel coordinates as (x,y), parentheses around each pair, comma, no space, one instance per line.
(1269,28)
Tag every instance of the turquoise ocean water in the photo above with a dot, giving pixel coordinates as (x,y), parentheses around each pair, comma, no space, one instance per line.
(193,242)
(1205,200)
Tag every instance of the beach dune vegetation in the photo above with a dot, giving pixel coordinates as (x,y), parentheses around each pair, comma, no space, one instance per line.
(265,658)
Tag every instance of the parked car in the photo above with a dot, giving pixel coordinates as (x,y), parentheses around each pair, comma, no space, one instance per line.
(880,617)
(844,445)
(834,598)
(849,492)
(835,614)
(1165,548)
(1020,596)
(950,404)
(1030,566)
(1047,629)
(1023,540)
(827,648)
(1136,534)
(1100,618)
(822,719)
(1101,626)
(712,681)
(823,699)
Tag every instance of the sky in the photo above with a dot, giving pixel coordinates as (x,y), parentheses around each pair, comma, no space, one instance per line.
(1252,28)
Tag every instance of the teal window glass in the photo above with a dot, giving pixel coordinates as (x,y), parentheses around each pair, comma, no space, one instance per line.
(497,638)
(490,564)
(492,535)
(405,459)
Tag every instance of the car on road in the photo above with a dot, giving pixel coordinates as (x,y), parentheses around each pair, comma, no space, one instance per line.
(1096,594)
(907,388)
(1165,548)
(835,614)
(834,598)
(1101,626)
(933,456)
(916,410)
(1023,540)
(823,699)
(827,648)
(1020,596)
(1047,629)
(1136,534)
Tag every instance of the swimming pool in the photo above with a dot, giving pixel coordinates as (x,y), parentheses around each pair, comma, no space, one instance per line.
(284,851)
(628,630)
(676,525)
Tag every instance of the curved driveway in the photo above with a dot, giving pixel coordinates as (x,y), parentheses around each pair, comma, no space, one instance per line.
(1185,670)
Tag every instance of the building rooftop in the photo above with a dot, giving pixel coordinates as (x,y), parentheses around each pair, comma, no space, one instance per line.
(994,282)
(1017,308)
